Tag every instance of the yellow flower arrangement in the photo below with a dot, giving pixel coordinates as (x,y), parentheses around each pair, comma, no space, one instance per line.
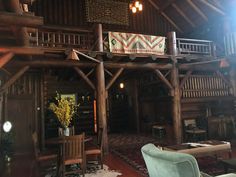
(64,110)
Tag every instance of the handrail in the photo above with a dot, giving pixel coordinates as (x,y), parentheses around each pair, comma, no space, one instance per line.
(83,39)
(194,46)
(49,37)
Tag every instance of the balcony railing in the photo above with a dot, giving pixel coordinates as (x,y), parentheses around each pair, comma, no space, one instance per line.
(194,47)
(48,38)
(84,40)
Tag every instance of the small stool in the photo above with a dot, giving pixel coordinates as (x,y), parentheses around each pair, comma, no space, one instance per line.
(158,131)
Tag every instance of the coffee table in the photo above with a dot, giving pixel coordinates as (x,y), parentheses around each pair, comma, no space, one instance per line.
(202,148)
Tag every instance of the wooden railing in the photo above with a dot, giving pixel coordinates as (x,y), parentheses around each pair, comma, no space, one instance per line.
(56,38)
(205,86)
(194,46)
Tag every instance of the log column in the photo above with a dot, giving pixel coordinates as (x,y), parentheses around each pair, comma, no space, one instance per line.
(1,113)
(175,92)
(101,88)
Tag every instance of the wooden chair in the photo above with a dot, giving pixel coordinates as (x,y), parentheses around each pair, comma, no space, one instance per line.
(73,153)
(44,159)
(96,149)
(71,131)
(192,131)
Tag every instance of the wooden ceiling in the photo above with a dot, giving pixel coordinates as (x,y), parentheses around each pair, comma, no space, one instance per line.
(185,15)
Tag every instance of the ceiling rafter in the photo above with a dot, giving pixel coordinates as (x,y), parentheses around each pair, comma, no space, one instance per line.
(166,16)
(166,5)
(183,14)
(190,2)
(211,6)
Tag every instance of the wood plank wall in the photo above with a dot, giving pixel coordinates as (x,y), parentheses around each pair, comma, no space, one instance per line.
(71,13)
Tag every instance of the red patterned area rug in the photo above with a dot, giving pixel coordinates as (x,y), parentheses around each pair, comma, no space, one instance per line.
(128,148)
(132,155)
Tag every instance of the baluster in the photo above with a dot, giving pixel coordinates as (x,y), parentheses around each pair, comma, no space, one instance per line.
(64,38)
(42,38)
(69,41)
(48,39)
(74,39)
(53,39)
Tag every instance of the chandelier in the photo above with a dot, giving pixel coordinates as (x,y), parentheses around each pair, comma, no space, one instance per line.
(136,6)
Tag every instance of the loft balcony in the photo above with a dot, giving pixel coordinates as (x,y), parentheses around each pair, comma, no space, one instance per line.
(53,39)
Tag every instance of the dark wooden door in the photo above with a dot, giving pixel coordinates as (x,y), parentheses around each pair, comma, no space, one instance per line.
(20,113)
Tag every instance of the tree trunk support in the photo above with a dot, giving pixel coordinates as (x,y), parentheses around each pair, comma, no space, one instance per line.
(14,78)
(176,104)
(84,77)
(188,74)
(5,58)
(163,79)
(101,89)
(113,79)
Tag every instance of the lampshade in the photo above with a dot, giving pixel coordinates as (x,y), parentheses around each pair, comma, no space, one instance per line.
(72,55)
(224,63)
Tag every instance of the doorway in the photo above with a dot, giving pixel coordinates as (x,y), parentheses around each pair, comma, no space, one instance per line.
(20,114)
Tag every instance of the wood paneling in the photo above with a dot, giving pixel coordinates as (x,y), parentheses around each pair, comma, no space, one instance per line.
(72,13)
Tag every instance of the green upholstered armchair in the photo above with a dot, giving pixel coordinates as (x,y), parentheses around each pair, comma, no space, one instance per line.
(171,164)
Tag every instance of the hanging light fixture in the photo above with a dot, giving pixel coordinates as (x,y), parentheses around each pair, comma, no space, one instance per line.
(136,6)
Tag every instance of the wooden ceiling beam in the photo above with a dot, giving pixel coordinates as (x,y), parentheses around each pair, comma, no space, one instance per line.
(211,6)
(165,16)
(183,14)
(5,58)
(130,65)
(166,5)
(23,50)
(14,19)
(197,10)
(53,63)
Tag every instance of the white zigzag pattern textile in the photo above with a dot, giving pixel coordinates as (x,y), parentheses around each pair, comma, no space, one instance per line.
(129,43)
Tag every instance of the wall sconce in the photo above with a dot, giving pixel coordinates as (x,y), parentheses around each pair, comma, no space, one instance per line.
(7,126)
(122,85)
(136,6)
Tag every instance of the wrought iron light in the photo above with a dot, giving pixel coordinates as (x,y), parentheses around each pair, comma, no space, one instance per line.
(136,6)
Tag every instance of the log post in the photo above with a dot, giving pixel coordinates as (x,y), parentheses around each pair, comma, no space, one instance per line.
(1,113)
(101,103)
(172,45)
(101,89)
(136,105)
(42,109)
(20,32)
(176,104)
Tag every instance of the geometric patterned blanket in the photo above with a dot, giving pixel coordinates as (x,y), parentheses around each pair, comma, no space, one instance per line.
(128,43)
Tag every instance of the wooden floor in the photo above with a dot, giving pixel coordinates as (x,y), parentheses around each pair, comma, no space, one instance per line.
(23,166)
